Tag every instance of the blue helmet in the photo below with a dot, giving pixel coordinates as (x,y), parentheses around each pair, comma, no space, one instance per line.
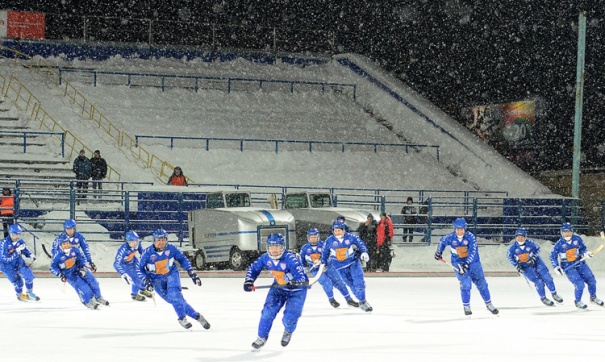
(132,236)
(566,227)
(160,233)
(339,225)
(341,218)
(460,223)
(312,231)
(276,239)
(521,232)
(69,224)
(15,229)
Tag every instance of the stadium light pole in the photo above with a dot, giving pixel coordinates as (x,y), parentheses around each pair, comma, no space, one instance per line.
(577,140)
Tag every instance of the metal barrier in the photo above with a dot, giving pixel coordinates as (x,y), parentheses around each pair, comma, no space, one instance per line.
(342,145)
(228,82)
(25,133)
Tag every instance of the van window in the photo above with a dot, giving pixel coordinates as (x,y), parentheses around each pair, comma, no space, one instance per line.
(237,200)
(321,200)
(296,201)
(214,201)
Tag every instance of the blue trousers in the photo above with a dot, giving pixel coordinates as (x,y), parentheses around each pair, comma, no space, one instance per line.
(352,275)
(580,274)
(540,276)
(137,282)
(475,275)
(276,299)
(330,279)
(86,286)
(169,288)
(18,275)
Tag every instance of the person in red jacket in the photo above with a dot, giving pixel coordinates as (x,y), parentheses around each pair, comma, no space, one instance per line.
(384,236)
(177,178)
(7,207)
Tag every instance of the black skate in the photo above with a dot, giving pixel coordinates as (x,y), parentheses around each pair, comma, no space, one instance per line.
(334,303)
(547,302)
(557,298)
(285,339)
(352,303)
(491,308)
(184,323)
(596,301)
(365,306)
(258,344)
(200,318)
(580,305)
(467,310)
(101,301)
(137,297)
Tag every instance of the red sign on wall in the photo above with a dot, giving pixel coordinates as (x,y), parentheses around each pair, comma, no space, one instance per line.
(16,24)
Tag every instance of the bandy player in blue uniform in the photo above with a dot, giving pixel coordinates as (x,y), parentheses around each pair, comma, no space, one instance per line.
(343,251)
(310,257)
(465,258)
(569,251)
(288,274)
(524,255)
(126,264)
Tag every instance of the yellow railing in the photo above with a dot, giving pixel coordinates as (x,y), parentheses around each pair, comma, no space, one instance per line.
(158,166)
(15,91)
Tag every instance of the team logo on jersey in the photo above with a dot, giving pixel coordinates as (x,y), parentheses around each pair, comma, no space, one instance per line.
(527,248)
(347,242)
(575,242)
(465,242)
(335,243)
(167,252)
(153,257)
(282,266)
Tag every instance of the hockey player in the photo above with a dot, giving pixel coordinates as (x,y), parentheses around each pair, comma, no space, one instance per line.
(288,274)
(465,260)
(342,251)
(160,273)
(567,256)
(13,266)
(127,265)
(76,239)
(71,266)
(310,255)
(524,255)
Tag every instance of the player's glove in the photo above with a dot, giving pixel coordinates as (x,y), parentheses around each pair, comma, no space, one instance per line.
(558,270)
(588,255)
(531,261)
(62,277)
(462,268)
(148,285)
(93,267)
(365,257)
(20,248)
(438,255)
(127,278)
(197,281)
(248,285)
(519,268)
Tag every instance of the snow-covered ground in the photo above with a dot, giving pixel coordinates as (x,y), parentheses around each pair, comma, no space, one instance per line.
(414,319)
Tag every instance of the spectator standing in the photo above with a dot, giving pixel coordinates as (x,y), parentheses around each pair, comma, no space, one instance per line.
(99,171)
(7,209)
(367,233)
(83,170)
(177,178)
(410,218)
(384,236)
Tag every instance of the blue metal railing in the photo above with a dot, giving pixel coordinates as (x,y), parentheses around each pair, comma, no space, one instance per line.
(241,141)
(26,133)
(228,81)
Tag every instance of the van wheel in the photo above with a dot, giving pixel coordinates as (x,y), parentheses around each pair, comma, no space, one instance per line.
(237,259)
(199,261)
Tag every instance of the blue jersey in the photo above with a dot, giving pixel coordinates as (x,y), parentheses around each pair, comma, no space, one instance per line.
(568,252)
(463,250)
(127,257)
(342,253)
(11,258)
(77,240)
(158,265)
(285,270)
(520,254)
(70,263)
(310,256)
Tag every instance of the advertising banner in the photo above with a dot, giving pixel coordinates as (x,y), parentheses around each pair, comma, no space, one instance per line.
(22,25)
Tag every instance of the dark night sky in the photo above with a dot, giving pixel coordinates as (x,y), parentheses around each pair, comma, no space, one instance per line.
(457,53)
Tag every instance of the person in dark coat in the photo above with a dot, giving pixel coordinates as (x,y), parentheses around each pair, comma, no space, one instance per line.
(410,218)
(99,170)
(83,170)
(367,233)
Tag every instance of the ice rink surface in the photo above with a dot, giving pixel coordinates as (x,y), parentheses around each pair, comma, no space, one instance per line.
(414,319)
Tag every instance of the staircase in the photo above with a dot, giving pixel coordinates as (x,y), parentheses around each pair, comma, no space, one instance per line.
(39,164)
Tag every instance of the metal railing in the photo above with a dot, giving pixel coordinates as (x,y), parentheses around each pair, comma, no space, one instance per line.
(26,133)
(342,145)
(203,82)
